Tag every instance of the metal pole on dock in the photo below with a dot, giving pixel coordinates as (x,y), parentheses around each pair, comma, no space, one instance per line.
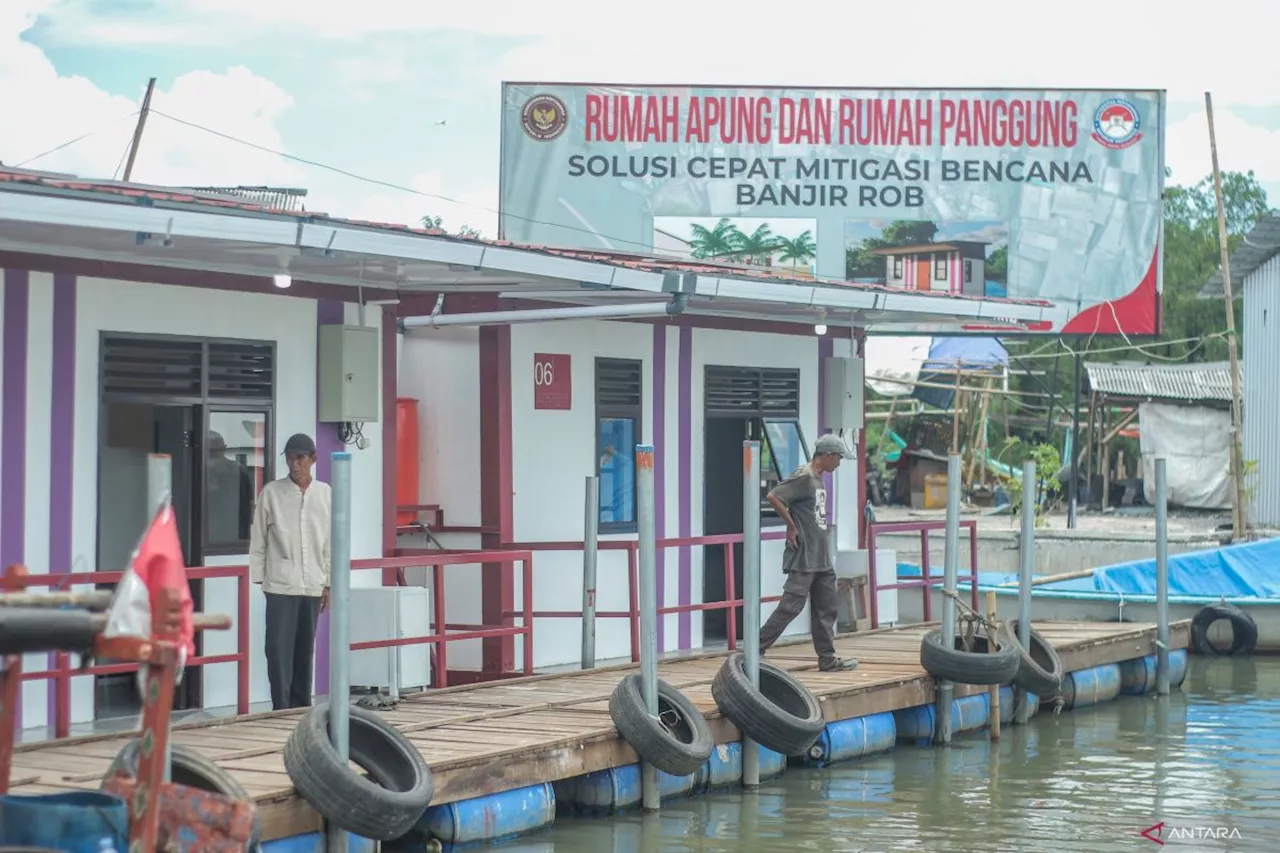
(950,570)
(590,535)
(1026,566)
(1162,579)
(159,488)
(751,594)
(648,545)
(339,621)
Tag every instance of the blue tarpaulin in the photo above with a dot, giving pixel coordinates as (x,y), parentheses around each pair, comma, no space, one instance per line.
(945,355)
(1247,571)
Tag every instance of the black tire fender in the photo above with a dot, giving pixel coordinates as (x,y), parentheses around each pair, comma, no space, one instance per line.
(970,667)
(782,715)
(678,741)
(192,768)
(384,806)
(1244,631)
(1040,669)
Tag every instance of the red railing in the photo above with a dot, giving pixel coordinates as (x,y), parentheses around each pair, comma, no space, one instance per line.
(926,583)
(62,672)
(730,603)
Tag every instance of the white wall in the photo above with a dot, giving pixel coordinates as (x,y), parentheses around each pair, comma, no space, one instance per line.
(440,368)
(746,349)
(121,306)
(554,451)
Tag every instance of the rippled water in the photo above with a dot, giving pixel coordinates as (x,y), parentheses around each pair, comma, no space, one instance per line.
(1207,760)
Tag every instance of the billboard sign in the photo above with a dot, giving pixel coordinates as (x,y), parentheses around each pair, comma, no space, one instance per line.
(1046,194)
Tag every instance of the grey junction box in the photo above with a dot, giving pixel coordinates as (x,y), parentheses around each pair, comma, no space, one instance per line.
(349,387)
(844,392)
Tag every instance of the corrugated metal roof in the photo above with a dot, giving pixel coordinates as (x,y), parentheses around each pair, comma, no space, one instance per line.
(275,198)
(18,180)
(1209,381)
(1260,245)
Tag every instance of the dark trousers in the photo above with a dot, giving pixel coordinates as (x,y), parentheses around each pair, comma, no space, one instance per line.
(291,646)
(819,588)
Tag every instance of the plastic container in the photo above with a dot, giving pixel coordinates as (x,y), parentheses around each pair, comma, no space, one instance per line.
(935,491)
(76,822)
(490,818)
(968,713)
(1092,686)
(845,740)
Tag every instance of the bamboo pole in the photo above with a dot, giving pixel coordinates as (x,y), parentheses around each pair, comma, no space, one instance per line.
(993,646)
(1238,520)
(888,423)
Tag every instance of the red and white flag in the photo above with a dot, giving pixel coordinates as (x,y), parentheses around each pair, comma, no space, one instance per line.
(157,563)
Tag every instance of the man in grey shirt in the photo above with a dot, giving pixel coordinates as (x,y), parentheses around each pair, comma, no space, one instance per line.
(801,502)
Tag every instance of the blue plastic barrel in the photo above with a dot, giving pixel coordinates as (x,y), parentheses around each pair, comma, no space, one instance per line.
(724,767)
(1138,676)
(605,792)
(968,713)
(492,817)
(313,842)
(77,821)
(845,740)
(1008,704)
(1091,686)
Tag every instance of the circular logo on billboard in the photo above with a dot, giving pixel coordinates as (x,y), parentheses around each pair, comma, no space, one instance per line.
(1116,124)
(544,117)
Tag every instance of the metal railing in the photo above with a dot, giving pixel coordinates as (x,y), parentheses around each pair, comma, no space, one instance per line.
(926,582)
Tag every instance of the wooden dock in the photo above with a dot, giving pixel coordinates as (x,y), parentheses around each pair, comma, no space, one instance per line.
(484,738)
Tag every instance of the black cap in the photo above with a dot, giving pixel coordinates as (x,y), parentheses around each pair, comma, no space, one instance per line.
(299,443)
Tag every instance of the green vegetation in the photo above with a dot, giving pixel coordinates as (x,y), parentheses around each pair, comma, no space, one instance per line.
(726,242)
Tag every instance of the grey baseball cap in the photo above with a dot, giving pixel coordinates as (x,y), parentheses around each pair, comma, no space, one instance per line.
(832,443)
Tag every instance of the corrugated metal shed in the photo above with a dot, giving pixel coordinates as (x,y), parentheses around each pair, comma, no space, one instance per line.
(1261,333)
(1192,383)
(1259,246)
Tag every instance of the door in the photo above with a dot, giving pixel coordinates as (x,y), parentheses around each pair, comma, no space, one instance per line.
(924,273)
(722,513)
(175,435)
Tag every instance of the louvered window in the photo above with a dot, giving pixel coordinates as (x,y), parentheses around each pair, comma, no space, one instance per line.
(152,367)
(241,371)
(619,395)
(752,392)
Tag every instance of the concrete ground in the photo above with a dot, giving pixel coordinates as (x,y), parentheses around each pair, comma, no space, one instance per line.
(1130,522)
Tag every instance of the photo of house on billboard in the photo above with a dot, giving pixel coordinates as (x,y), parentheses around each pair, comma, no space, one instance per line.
(957,257)
(1067,182)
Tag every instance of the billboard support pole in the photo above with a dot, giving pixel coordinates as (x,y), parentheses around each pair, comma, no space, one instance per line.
(1238,522)
(1074,494)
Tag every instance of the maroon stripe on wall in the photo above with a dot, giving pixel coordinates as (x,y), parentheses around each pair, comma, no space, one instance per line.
(13,432)
(328,312)
(61,441)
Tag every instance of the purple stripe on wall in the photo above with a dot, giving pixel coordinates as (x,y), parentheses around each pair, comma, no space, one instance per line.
(61,438)
(328,312)
(686,481)
(659,460)
(13,432)
(826,347)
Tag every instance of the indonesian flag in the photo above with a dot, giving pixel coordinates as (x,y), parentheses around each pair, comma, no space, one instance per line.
(157,563)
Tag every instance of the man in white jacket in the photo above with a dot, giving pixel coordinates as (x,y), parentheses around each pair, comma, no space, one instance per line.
(289,556)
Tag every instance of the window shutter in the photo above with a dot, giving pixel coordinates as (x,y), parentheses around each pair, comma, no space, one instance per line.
(619,383)
(151,366)
(752,392)
(241,371)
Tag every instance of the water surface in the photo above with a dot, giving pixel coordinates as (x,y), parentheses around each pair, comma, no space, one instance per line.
(1204,761)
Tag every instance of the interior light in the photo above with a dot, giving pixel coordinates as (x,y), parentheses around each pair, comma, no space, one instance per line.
(282,280)
(820,328)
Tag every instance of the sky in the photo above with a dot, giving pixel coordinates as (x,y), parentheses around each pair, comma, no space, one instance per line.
(404,94)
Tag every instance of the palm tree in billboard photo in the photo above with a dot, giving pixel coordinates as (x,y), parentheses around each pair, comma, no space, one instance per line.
(758,247)
(718,242)
(797,251)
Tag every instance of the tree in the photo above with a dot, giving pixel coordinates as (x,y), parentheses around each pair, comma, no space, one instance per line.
(718,242)
(798,250)
(436,223)
(998,264)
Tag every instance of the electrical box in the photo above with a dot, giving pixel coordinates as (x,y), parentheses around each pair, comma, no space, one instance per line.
(390,613)
(843,394)
(350,388)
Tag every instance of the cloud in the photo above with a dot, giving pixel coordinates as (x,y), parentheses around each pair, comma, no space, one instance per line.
(1241,146)
(246,106)
(475,209)
(1010,43)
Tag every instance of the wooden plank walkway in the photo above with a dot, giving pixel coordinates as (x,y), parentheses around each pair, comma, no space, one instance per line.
(484,738)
